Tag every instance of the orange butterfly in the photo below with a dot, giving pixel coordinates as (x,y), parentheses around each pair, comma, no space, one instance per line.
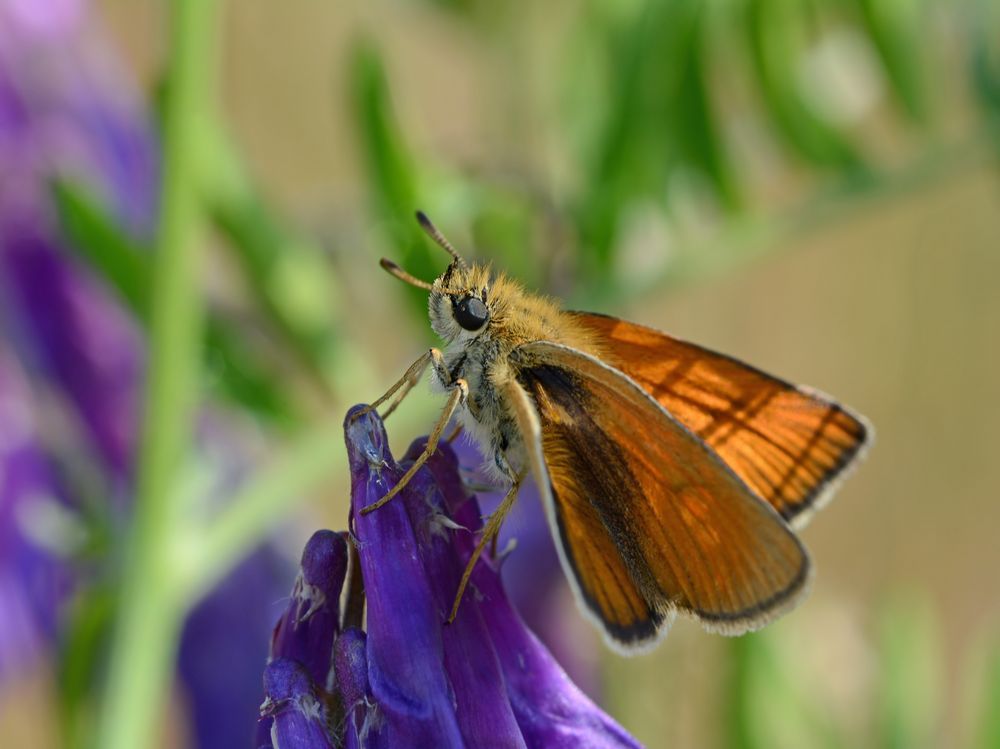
(671,475)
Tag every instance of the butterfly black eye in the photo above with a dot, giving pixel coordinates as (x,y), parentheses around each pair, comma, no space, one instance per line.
(471,313)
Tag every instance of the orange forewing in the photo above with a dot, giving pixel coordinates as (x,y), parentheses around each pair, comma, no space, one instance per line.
(603,576)
(629,483)
(786,443)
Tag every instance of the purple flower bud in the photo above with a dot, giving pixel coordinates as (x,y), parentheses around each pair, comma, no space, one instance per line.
(307,630)
(550,709)
(293,703)
(350,663)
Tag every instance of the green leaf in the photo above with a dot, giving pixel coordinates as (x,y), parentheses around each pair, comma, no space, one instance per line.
(106,249)
(287,281)
(389,164)
(126,267)
(696,122)
(773,27)
(747,656)
(765,707)
(80,658)
(987,729)
(984,64)
(894,28)
(909,696)
(630,158)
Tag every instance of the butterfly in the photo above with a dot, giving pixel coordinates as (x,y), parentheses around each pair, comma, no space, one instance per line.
(672,476)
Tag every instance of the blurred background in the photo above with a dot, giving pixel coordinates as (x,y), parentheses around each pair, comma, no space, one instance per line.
(194,197)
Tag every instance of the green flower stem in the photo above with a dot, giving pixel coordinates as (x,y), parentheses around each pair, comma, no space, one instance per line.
(145,637)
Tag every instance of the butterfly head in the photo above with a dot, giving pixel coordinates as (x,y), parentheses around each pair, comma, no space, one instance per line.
(459,304)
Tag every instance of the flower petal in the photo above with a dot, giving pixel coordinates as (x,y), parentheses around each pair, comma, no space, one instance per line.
(33,581)
(350,664)
(481,705)
(405,648)
(551,711)
(533,578)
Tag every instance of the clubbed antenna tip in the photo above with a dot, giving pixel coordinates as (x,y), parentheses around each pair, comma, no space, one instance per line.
(425,222)
(438,237)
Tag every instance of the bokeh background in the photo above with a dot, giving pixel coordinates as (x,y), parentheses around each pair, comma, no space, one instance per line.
(194,197)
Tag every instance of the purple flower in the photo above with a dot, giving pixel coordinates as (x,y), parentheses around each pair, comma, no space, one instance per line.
(411,680)
(223,643)
(307,630)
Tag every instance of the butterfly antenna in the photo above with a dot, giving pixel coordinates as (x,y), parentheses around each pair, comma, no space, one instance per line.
(433,233)
(394,270)
(402,275)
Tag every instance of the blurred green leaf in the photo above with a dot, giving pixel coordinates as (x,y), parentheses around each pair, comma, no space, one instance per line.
(391,174)
(909,695)
(695,121)
(503,231)
(126,267)
(81,655)
(289,277)
(768,705)
(984,63)
(105,248)
(987,729)
(747,656)
(894,28)
(630,157)
(282,280)
(773,28)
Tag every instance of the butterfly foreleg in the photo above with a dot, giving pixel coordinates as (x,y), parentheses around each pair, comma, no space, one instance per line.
(405,383)
(459,393)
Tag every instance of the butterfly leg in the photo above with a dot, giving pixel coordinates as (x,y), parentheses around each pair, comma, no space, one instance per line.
(459,392)
(489,533)
(410,378)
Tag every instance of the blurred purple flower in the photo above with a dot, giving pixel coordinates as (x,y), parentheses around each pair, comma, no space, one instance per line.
(65,113)
(223,644)
(411,680)
(31,580)
(62,116)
